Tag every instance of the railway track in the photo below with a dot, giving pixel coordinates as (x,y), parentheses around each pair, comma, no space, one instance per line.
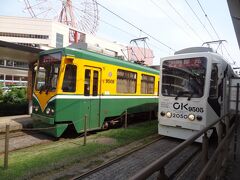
(12,135)
(21,139)
(131,162)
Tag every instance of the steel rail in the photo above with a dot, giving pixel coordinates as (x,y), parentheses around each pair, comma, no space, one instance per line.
(162,161)
(109,163)
(185,165)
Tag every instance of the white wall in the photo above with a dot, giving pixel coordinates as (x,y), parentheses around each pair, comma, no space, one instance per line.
(25,25)
(105,44)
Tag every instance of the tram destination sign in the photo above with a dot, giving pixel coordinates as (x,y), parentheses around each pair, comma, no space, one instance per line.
(186,63)
(51,58)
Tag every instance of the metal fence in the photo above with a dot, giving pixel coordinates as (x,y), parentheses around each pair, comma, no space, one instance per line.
(211,167)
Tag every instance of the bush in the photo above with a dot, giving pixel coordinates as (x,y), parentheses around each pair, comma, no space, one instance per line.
(13,102)
(15,96)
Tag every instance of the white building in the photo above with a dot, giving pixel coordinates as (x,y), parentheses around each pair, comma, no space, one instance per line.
(43,34)
(46,34)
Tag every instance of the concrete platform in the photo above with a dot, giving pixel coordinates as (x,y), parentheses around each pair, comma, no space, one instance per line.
(16,122)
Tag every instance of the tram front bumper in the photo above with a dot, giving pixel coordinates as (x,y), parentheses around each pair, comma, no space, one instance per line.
(47,125)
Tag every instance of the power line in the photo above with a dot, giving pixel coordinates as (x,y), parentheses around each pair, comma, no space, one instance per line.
(199,19)
(170,17)
(229,54)
(214,29)
(135,26)
(208,20)
(184,20)
(132,35)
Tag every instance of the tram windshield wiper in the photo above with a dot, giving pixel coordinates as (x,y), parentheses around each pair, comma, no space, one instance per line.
(41,89)
(181,93)
(190,96)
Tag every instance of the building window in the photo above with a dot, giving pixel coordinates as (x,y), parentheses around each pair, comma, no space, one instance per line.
(22,65)
(29,44)
(147,84)
(24,78)
(35,36)
(1,62)
(9,63)
(16,78)
(1,76)
(126,81)
(59,40)
(9,77)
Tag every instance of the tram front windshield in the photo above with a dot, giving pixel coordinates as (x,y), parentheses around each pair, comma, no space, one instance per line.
(48,69)
(184,77)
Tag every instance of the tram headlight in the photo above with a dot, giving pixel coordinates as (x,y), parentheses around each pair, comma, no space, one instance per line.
(36,108)
(48,110)
(191,117)
(168,114)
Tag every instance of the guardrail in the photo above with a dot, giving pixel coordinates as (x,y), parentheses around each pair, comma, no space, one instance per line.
(158,165)
(210,167)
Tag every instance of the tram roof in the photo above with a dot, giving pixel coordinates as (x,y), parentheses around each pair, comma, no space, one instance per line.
(85,54)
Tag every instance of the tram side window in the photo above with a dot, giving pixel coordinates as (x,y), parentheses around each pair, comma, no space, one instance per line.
(213,82)
(147,84)
(95,83)
(126,81)
(69,81)
(87,82)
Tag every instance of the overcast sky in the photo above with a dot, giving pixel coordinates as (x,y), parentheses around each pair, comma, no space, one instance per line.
(169,22)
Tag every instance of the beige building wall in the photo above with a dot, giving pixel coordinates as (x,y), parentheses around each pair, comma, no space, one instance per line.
(15,30)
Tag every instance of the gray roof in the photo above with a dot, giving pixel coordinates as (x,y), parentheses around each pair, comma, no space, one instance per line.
(234,8)
(17,52)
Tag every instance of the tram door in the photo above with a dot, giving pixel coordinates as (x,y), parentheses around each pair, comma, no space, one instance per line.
(92,90)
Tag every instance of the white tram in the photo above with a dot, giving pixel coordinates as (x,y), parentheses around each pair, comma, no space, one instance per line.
(193,91)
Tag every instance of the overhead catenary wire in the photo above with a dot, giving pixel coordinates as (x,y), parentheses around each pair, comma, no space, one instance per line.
(126,32)
(178,25)
(184,20)
(154,38)
(205,14)
(132,35)
(195,14)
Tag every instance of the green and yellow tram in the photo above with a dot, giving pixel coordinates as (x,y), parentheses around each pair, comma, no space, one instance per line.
(72,84)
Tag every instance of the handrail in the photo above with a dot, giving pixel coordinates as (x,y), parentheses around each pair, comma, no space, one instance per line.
(203,174)
(159,163)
